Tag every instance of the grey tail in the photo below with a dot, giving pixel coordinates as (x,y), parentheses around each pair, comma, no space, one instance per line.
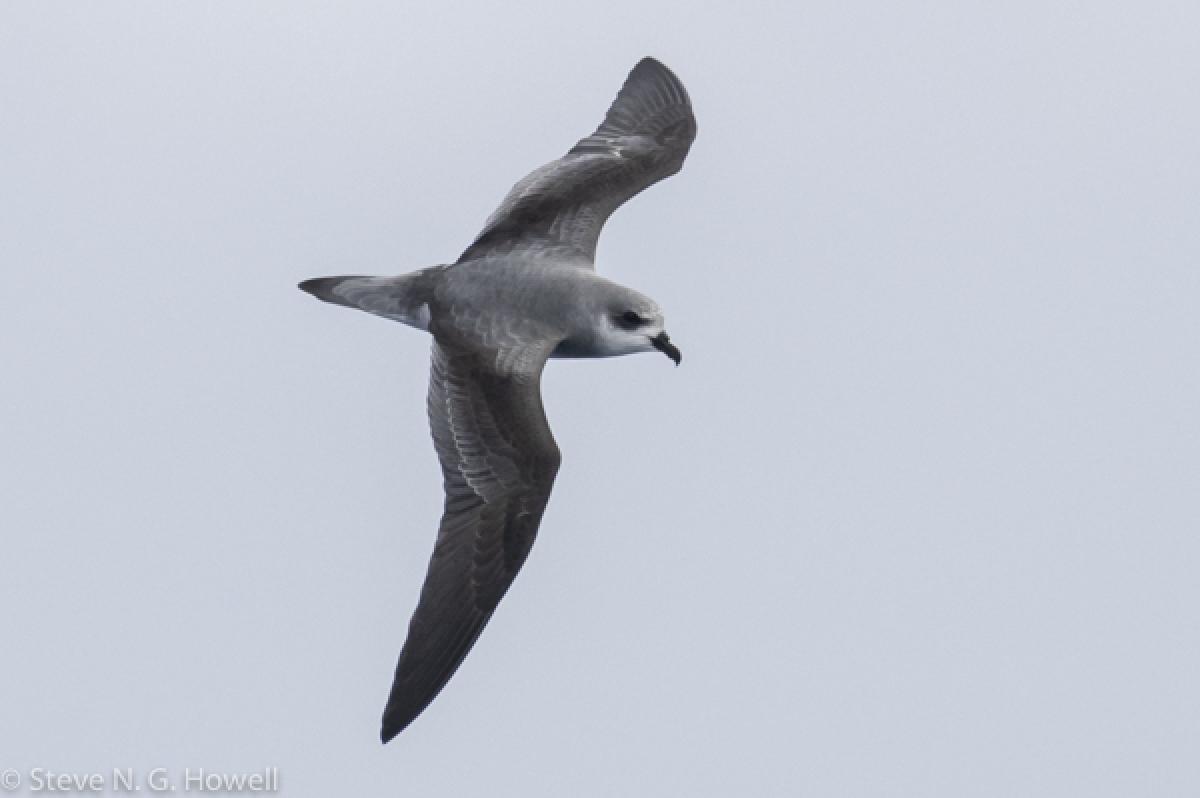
(404,299)
(323,288)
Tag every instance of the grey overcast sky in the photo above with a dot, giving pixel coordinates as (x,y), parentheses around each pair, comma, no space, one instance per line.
(917,516)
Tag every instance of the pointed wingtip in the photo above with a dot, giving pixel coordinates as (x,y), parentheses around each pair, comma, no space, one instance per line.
(652,64)
(391,727)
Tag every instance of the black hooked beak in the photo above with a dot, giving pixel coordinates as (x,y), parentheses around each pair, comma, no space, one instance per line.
(663,344)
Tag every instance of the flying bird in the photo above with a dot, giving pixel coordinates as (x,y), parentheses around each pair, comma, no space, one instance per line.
(525,290)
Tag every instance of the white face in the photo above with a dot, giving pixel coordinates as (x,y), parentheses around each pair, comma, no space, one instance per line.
(623,322)
(628,331)
(624,332)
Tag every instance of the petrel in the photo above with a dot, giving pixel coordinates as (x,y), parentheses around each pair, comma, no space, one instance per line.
(524,291)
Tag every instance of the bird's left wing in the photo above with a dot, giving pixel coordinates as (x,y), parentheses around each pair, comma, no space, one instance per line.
(499,460)
(561,207)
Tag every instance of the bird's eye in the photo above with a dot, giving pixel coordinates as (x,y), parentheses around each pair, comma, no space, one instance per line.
(631,319)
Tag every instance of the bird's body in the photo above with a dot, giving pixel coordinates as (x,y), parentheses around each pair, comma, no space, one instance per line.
(563,302)
(524,291)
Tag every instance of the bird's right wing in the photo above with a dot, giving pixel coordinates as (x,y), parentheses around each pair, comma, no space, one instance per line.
(499,460)
(562,206)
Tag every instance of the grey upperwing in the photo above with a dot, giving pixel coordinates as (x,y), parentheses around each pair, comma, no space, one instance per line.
(562,206)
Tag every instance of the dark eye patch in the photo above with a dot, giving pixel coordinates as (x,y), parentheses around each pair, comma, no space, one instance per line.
(631,319)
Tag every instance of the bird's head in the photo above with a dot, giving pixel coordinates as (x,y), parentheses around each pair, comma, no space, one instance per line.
(630,322)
